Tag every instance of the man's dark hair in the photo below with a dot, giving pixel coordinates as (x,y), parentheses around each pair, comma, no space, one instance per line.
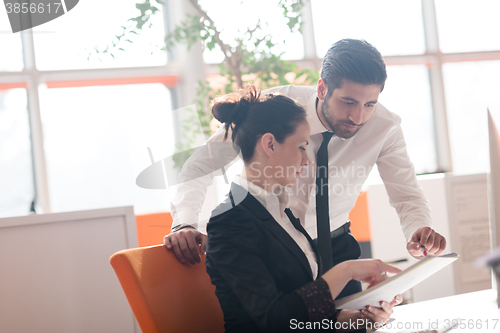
(353,60)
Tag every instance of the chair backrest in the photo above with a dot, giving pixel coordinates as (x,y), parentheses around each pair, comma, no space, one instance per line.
(165,295)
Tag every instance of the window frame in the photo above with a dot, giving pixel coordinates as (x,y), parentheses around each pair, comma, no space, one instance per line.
(186,67)
(433,58)
(31,78)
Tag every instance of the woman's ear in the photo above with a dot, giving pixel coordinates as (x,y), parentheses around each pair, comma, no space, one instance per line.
(268,144)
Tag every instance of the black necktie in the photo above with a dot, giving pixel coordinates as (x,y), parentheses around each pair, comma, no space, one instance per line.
(322,207)
(295,221)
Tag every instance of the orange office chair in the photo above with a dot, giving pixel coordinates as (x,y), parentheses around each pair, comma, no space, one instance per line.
(165,295)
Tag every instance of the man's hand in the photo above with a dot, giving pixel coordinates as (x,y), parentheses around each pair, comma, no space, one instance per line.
(184,243)
(433,242)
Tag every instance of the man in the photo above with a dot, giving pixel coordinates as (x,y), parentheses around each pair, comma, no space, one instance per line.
(350,132)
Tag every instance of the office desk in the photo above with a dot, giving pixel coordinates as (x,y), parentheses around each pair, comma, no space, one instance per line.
(472,312)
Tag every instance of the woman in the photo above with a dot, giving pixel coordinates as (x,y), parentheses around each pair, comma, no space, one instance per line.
(264,265)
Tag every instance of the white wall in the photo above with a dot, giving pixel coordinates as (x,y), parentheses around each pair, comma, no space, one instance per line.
(389,244)
(55,272)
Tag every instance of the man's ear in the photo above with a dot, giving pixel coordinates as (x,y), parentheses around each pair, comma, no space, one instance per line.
(268,144)
(322,89)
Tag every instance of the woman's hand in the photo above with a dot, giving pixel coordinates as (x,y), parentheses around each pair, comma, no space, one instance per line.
(365,270)
(371,317)
(379,316)
(371,271)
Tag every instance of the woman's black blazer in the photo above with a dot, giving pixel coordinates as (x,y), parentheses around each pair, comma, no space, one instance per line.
(263,279)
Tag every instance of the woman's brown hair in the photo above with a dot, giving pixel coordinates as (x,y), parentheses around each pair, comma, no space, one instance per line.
(250,115)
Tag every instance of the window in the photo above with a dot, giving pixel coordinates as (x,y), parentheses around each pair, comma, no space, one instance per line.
(467,26)
(394,27)
(90,129)
(65,43)
(471,88)
(46,75)
(407,94)
(16,166)
(96,148)
(237,16)
(11,57)
(416,68)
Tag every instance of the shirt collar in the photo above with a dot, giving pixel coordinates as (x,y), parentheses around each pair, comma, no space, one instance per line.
(316,125)
(274,202)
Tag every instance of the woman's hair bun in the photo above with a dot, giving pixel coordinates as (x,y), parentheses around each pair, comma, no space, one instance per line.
(225,111)
(233,108)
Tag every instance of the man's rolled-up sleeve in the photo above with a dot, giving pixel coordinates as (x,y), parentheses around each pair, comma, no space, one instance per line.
(405,194)
(196,176)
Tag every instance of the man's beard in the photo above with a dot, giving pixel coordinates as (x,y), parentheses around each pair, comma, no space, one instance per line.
(336,125)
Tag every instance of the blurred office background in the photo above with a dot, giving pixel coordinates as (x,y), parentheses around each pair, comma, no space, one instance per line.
(74,130)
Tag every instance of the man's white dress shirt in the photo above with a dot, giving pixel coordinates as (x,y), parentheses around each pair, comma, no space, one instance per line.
(350,161)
